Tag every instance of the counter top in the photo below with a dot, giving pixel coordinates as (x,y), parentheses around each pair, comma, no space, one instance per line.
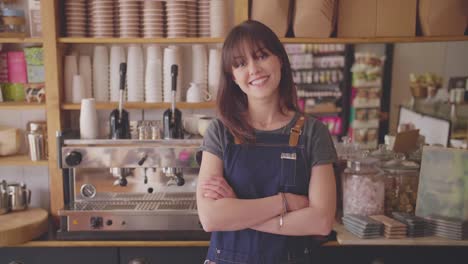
(345,238)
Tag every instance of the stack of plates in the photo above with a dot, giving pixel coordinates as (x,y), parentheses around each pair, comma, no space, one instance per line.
(417,226)
(153,19)
(392,228)
(177,19)
(362,226)
(204,18)
(75,13)
(447,227)
(129,18)
(192,10)
(101,23)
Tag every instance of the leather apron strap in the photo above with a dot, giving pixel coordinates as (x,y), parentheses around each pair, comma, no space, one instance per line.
(296,131)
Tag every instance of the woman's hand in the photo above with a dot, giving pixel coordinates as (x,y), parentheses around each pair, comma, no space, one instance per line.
(216,187)
(296,202)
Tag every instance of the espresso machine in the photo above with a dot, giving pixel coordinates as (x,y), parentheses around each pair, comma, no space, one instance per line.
(151,206)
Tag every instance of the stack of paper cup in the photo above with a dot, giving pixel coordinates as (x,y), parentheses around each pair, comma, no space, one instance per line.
(153,19)
(204,18)
(70,70)
(192,10)
(172,55)
(101,23)
(101,74)
(214,71)
(117,56)
(75,14)
(153,74)
(218,18)
(84,66)
(200,66)
(88,119)
(135,74)
(78,89)
(177,19)
(129,18)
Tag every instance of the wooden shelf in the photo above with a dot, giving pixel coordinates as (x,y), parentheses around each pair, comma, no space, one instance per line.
(20,40)
(21,160)
(21,106)
(140,40)
(149,106)
(374,40)
(284,40)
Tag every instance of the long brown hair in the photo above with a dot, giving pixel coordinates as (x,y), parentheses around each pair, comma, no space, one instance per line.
(232,102)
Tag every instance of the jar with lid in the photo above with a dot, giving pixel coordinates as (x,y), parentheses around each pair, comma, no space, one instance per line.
(13,20)
(382,153)
(363,187)
(401,185)
(37,141)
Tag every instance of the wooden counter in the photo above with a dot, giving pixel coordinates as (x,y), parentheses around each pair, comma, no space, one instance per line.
(345,238)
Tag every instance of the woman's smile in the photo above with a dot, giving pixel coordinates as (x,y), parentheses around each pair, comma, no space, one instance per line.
(260,81)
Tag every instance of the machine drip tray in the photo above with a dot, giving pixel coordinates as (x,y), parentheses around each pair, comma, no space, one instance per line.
(170,235)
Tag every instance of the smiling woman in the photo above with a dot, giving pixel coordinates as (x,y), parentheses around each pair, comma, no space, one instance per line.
(266,185)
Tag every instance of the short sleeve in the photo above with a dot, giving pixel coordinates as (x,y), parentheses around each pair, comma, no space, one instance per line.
(213,140)
(320,144)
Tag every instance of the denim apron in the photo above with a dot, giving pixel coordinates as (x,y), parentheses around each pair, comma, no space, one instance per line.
(274,164)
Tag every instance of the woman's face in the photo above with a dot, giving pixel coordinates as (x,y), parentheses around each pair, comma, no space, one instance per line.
(258,73)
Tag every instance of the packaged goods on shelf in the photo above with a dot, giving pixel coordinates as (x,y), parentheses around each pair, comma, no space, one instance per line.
(9,140)
(35,21)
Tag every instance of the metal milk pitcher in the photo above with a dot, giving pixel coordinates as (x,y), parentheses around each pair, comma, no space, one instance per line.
(4,207)
(20,197)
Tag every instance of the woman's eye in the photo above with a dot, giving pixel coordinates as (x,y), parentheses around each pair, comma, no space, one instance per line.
(239,64)
(263,56)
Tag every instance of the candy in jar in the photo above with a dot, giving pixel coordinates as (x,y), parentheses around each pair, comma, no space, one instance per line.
(363,187)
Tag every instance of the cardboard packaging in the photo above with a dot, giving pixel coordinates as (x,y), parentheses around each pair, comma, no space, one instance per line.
(273,13)
(314,18)
(35,22)
(377,18)
(443,18)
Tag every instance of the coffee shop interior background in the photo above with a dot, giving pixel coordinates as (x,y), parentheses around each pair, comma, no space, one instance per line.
(446,58)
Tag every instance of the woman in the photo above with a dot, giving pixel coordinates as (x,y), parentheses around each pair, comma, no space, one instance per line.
(266,181)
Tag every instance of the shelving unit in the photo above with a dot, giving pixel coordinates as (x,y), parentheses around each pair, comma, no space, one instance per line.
(21,160)
(55,47)
(146,106)
(140,40)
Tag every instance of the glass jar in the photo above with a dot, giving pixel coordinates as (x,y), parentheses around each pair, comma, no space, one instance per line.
(363,187)
(382,153)
(13,21)
(401,185)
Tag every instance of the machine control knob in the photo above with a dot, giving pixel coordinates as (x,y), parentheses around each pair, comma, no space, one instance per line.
(73,158)
(96,222)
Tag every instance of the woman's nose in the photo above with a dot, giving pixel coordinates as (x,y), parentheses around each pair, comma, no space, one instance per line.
(253,68)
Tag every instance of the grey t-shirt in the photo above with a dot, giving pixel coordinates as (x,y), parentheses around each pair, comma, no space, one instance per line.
(319,146)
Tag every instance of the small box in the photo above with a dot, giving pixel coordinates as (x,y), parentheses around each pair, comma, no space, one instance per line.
(34,55)
(35,23)
(13,92)
(377,18)
(36,73)
(443,18)
(17,72)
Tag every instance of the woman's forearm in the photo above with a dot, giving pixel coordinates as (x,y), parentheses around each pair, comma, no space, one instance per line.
(307,221)
(231,214)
